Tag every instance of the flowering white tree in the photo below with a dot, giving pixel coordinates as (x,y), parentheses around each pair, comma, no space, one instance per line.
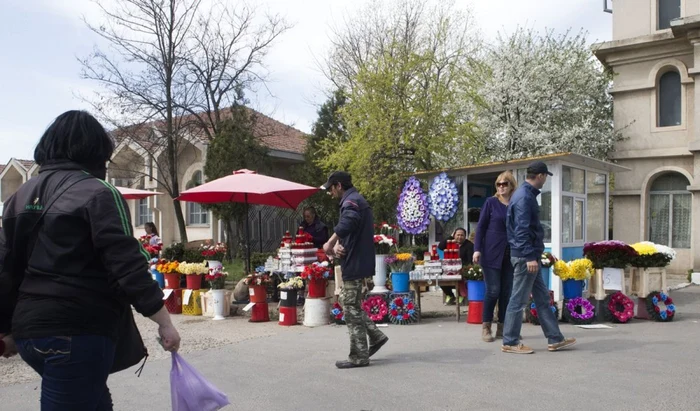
(543,94)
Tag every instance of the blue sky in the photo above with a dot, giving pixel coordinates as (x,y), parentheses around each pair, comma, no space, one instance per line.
(40,41)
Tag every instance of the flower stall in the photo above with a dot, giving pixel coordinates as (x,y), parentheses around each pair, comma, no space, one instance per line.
(577,196)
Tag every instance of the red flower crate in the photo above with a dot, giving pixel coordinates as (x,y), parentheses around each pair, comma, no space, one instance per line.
(173,302)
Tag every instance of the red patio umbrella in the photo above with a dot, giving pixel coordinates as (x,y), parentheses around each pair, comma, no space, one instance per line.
(136,194)
(249,187)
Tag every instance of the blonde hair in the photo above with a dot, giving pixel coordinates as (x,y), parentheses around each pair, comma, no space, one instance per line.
(506,176)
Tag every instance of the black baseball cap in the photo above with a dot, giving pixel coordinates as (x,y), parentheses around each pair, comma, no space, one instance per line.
(538,167)
(335,178)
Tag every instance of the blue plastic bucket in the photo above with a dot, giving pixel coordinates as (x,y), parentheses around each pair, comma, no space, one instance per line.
(400,282)
(476,290)
(160,278)
(572,288)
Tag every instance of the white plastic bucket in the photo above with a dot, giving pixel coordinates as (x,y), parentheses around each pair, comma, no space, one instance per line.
(317,311)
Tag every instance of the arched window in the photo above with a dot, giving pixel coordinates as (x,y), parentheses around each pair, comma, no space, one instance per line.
(196,214)
(669,99)
(670,211)
(666,11)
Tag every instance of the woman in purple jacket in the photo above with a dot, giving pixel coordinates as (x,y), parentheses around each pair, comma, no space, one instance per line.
(492,252)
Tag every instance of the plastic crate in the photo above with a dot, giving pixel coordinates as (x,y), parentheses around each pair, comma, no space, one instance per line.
(173,301)
(192,302)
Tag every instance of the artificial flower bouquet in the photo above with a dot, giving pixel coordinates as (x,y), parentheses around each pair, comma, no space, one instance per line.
(473,272)
(217,278)
(152,249)
(548,259)
(192,268)
(652,255)
(211,251)
(443,198)
(316,271)
(294,283)
(167,267)
(258,279)
(400,263)
(580,269)
(383,239)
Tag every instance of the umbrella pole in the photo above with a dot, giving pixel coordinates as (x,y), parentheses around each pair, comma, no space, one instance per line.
(247,236)
(260,228)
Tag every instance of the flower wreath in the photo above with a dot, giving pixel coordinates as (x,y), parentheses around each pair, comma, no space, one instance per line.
(531,312)
(443,197)
(376,308)
(578,310)
(402,310)
(655,301)
(618,308)
(412,210)
(338,314)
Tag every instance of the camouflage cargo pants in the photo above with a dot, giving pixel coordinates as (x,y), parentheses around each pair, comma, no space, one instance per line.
(359,325)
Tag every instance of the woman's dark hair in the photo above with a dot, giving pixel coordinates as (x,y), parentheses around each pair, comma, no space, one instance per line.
(459,228)
(311,209)
(152,226)
(76,136)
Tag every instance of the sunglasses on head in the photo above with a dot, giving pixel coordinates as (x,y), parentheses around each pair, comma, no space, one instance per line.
(503,184)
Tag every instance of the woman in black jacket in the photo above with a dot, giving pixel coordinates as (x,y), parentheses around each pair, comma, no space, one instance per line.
(466,252)
(70,269)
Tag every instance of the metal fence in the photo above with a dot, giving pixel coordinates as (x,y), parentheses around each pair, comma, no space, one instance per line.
(268,224)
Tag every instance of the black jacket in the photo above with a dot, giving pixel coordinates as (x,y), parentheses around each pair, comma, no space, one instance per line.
(317,230)
(356,232)
(466,250)
(85,267)
(525,232)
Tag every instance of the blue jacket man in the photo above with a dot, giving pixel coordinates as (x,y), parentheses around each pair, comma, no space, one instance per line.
(353,243)
(526,239)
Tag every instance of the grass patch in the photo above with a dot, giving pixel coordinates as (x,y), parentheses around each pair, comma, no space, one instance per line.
(235,270)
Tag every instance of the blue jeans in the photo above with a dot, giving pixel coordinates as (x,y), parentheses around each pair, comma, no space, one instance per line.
(73,371)
(499,284)
(525,283)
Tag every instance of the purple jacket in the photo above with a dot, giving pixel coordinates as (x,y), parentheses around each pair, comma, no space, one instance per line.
(491,236)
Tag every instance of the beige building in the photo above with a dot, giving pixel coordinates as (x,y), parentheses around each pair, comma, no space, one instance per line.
(133,166)
(655,55)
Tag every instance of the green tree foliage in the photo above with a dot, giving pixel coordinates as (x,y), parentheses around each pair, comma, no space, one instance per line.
(329,127)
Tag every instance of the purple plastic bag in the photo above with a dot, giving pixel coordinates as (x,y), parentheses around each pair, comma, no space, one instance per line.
(190,391)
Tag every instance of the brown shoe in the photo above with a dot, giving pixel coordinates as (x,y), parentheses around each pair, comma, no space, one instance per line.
(486,332)
(499,330)
(568,342)
(517,349)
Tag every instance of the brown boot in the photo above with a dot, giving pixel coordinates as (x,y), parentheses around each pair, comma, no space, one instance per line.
(499,330)
(486,332)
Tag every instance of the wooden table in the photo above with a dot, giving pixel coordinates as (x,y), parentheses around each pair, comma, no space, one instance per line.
(417,284)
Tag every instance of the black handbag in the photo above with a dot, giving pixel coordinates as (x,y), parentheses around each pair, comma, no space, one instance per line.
(130,349)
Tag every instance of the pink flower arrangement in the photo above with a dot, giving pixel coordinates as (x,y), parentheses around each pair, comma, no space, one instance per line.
(613,253)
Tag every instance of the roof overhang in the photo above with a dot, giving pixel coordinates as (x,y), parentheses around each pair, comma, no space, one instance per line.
(17,165)
(496,166)
(286,155)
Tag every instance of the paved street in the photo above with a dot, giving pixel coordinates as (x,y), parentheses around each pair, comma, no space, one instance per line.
(438,365)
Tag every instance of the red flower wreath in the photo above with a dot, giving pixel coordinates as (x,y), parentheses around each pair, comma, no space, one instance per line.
(376,308)
(618,308)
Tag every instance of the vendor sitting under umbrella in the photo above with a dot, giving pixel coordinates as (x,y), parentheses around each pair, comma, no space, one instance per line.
(313,226)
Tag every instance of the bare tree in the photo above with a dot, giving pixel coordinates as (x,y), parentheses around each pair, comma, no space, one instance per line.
(171,70)
(231,44)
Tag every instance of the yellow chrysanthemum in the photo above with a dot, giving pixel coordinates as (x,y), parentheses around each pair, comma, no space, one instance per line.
(561,269)
(644,248)
(404,256)
(581,269)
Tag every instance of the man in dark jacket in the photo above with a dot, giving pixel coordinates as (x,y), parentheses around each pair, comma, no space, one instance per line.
(526,240)
(353,243)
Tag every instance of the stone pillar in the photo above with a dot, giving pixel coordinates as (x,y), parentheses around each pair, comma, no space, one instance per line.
(694,147)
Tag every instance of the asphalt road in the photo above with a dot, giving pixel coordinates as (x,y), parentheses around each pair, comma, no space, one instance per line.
(438,365)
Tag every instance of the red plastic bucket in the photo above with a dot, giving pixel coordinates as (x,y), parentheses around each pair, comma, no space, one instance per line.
(172,281)
(475,312)
(194,282)
(288,316)
(258,293)
(317,288)
(259,313)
